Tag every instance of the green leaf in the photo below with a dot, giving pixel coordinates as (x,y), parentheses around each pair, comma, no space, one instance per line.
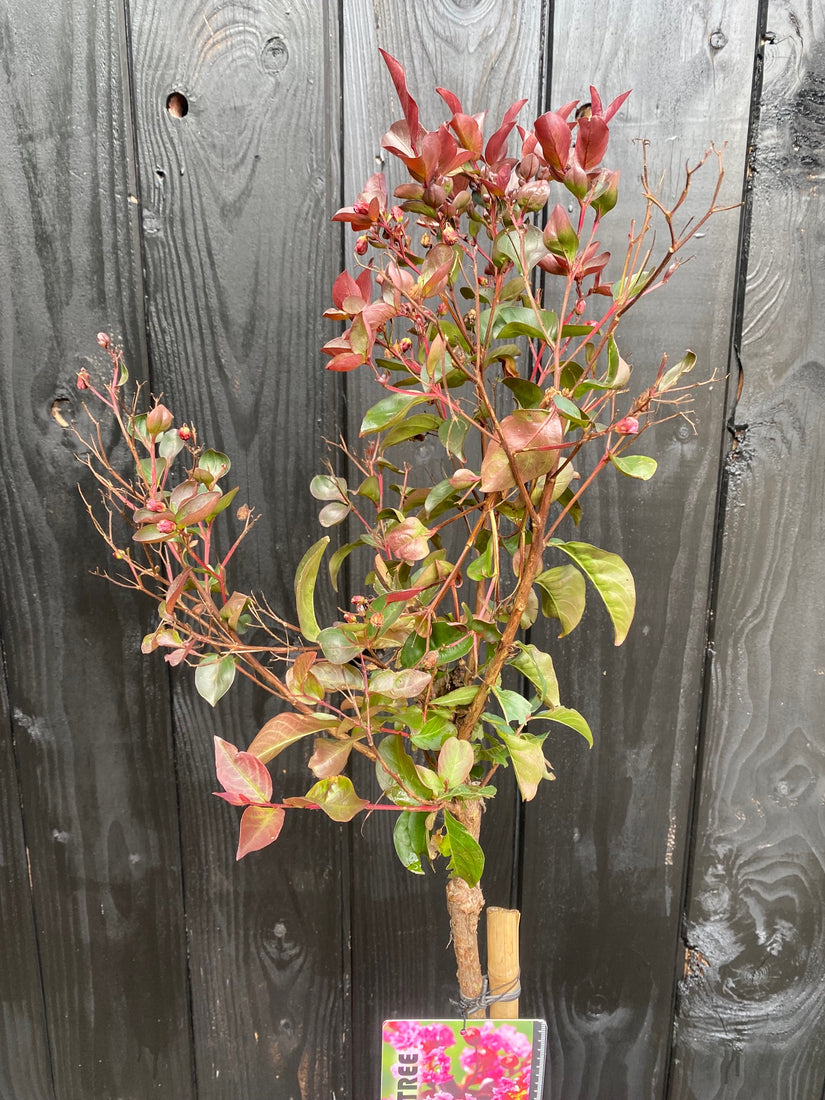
(412,426)
(406,684)
(508,247)
(563,596)
(392,762)
(338,559)
(672,376)
(337,798)
(516,708)
(305,577)
(438,494)
(326,487)
(466,856)
(537,666)
(569,717)
(333,513)
(638,466)
(571,411)
(410,839)
(433,733)
(214,463)
(390,410)
(338,646)
(528,761)
(214,676)
(455,761)
(528,394)
(284,730)
(460,697)
(522,321)
(611,578)
(452,434)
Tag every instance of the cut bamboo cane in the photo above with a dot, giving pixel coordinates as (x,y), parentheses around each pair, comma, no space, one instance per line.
(502,960)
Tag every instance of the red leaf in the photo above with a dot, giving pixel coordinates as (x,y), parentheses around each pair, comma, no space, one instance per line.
(468,132)
(260,826)
(241,773)
(591,143)
(497,145)
(451,99)
(554,137)
(284,730)
(613,107)
(408,104)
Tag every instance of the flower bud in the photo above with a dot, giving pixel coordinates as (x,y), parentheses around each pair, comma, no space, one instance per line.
(628,425)
(184,432)
(103,339)
(449,235)
(361,245)
(158,420)
(155,505)
(533,196)
(376,619)
(83,379)
(581,306)
(166,526)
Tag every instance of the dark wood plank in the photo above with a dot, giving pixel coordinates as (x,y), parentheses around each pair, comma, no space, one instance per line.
(25,1063)
(90,719)
(605,845)
(752,1005)
(236,200)
(403,963)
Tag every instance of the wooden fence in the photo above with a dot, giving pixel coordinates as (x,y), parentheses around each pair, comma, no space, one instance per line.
(672,880)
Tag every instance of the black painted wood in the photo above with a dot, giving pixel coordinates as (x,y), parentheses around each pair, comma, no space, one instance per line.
(118,863)
(89,716)
(750,1013)
(606,844)
(25,1065)
(237,188)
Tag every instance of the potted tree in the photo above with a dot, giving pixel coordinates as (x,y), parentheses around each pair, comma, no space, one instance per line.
(480,304)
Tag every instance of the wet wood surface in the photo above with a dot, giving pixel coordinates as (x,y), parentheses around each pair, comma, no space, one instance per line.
(752,1002)
(607,842)
(89,717)
(238,180)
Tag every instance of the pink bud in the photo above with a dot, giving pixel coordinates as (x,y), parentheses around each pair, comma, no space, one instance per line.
(83,379)
(581,305)
(158,419)
(361,245)
(628,425)
(184,432)
(155,505)
(166,526)
(103,339)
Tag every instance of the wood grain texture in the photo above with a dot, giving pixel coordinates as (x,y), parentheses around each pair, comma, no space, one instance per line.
(607,842)
(89,718)
(488,54)
(25,1067)
(236,198)
(753,999)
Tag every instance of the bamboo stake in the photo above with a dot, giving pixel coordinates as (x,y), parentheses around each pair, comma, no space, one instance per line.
(503,959)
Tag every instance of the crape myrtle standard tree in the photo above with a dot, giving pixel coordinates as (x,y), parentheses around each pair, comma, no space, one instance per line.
(483,312)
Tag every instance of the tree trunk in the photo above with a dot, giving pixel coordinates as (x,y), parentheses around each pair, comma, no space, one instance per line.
(464,904)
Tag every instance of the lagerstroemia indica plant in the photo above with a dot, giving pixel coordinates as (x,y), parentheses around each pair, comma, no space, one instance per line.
(483,312)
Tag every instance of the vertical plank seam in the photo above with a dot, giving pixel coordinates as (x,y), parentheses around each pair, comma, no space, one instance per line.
(545,75)
(141,297)
(728,431)
(32,904)
(345,842)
